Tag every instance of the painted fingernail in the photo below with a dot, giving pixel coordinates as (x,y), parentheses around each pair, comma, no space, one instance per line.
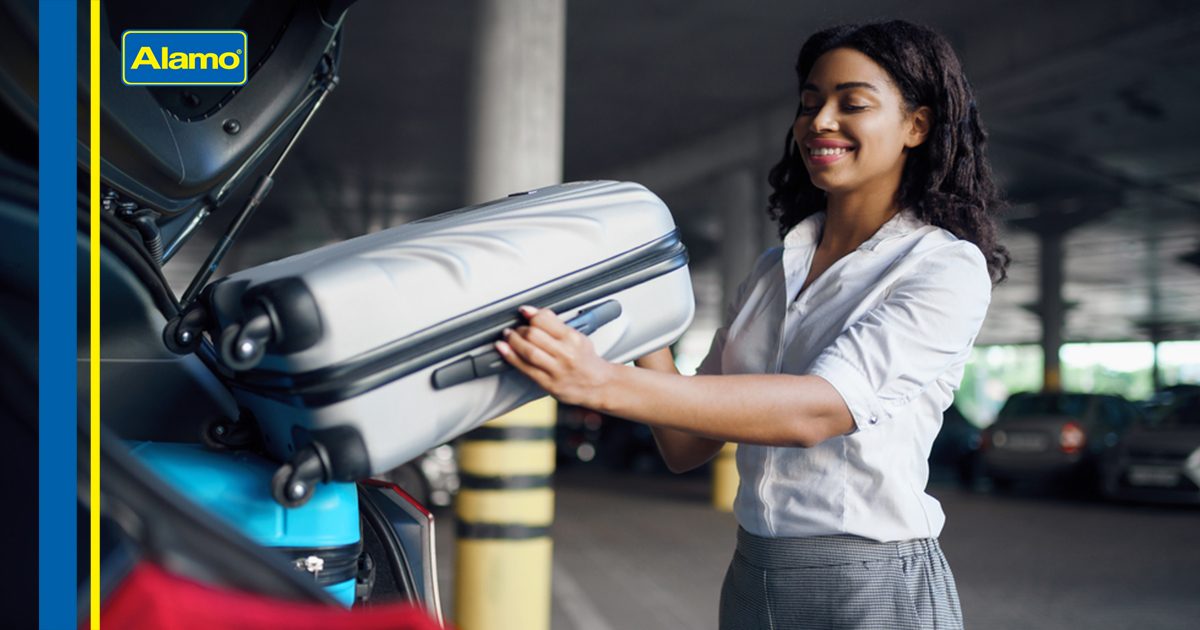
(507,332)
(527,311)
(502,347)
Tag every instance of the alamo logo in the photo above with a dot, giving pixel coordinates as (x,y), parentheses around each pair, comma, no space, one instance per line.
(183,57)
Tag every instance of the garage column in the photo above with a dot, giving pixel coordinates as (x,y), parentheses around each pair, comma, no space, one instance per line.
(743,221)
(1156,331)
(1052,309)
(516,100)
(1053,221)
(515,131)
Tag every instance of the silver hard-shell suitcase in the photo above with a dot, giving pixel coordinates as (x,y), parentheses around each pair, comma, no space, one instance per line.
(356,357)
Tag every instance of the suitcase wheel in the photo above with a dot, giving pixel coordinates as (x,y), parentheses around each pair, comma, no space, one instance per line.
(293,483)
(239,350)
(182,335)
(286,490)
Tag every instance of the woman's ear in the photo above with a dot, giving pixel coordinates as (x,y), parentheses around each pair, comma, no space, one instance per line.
(918,127)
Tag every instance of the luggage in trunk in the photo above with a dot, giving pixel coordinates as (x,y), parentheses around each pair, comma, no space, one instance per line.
(356,357)
(320,538)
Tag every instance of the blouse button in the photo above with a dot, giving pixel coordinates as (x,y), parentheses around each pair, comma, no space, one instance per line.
(873,420)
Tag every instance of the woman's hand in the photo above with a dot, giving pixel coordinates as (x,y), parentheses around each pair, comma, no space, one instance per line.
(560,359)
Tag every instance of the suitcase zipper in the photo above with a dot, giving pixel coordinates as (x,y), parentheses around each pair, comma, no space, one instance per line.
(327,565)
(452,338)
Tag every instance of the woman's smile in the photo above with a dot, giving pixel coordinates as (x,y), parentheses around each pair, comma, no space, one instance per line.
(820,152)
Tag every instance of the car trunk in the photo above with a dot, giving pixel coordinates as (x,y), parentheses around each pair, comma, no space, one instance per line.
(1031,434)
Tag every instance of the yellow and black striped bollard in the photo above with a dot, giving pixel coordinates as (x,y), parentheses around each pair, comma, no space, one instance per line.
(505,508)
(725,478)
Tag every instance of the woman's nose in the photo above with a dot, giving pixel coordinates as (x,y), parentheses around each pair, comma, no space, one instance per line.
(825,120)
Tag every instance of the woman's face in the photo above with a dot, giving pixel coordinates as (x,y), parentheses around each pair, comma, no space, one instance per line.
(853,131)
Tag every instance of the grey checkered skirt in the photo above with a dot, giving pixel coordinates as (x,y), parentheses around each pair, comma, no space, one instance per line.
(838,582)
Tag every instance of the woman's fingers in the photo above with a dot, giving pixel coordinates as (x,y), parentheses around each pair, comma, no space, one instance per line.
(541,338)
(529,351)
(556,357)
(545,319)
(538,375)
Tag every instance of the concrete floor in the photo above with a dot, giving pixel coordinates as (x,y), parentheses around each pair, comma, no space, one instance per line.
(639,552)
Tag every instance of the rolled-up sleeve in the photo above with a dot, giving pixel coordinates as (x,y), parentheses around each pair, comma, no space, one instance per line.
(925,324)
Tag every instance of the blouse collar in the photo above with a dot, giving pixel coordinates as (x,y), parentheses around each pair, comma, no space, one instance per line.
(808,232)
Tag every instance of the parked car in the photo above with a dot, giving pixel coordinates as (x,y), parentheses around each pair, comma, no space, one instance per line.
(1159,459)
(628,445)
(432,478)
(955,452)
(586,436)
(577,434)
(1161,400)
(1050,436)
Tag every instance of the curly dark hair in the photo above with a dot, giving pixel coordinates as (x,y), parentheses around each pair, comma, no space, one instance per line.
(947,179)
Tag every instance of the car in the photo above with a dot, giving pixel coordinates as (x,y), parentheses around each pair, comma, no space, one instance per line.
(955,452)
(585,436)
(1051,437)
(1159,458)
(431,478)
(577,434)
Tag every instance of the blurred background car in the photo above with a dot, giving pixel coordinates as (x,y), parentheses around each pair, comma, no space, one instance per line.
(1159,458)
(584,436)
(1163,399)
(955,453)
(577,435)
(432,478)
(1054,437)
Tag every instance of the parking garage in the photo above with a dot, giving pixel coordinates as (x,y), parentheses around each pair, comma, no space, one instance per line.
(1068,466)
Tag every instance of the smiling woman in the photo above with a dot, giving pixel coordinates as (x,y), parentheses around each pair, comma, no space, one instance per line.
(855,120)
(841,349)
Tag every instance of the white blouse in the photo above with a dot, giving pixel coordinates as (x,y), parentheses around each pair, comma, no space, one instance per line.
(890,326)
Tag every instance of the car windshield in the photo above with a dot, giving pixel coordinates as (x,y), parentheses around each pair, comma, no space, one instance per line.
(1044,405)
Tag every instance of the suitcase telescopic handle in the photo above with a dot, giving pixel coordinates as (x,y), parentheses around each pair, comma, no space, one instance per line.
(469,368)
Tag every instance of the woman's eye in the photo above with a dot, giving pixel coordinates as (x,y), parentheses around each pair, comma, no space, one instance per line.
(847,107)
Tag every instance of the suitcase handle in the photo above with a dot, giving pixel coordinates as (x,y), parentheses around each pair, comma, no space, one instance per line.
(489,363)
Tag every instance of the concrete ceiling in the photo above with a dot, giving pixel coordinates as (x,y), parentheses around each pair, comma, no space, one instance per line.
(1090,104)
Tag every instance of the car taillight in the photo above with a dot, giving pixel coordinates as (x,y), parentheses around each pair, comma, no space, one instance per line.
(1072,438)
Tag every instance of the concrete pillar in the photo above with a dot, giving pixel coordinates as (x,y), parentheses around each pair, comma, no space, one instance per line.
(1155,330)
(743,239)
(1155,372)
(1053,221)
(1051,306)
(515,130)
(516,108)
(1155,325)
(742,219)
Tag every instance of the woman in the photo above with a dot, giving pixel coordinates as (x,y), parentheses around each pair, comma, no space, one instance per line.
(841,349)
